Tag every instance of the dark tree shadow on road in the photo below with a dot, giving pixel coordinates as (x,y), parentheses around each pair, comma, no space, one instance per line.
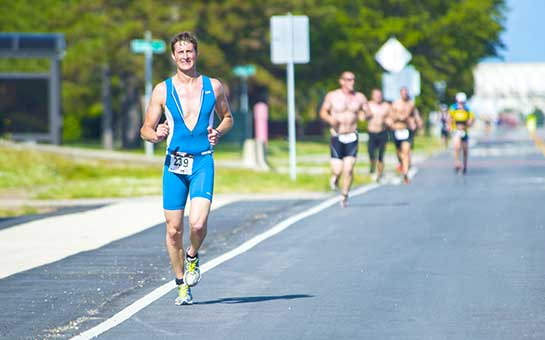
(251,299)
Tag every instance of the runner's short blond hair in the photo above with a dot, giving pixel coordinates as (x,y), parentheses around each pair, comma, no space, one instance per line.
(184,36)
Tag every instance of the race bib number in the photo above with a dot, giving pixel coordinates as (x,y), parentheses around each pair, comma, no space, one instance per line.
(459,133)
(348,138)
(182,165)
(401,134)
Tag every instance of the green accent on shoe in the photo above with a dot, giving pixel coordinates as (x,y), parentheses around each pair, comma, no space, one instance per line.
(192,273)
(184,295)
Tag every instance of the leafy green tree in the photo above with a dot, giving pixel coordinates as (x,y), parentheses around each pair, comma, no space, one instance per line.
(446,38)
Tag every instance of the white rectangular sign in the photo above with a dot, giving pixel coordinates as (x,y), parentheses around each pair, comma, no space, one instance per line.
(290,39)
(409,77)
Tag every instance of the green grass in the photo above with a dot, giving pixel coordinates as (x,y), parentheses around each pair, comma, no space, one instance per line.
(248,181)
(43,175)
(427,144)
(46,175)
(20,211)
(26,173)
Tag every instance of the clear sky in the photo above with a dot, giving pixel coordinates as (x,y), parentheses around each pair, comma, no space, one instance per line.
(524,36)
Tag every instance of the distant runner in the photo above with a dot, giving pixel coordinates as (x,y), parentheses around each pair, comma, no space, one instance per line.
(341,109)
(444,124)
(415,124)
(460,119)
(400,122)
(188,100)
(378,133)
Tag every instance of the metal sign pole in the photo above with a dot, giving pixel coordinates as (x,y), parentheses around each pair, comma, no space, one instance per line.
(244,107)
(291,106)
(149,62)
(290,45)
(291,119)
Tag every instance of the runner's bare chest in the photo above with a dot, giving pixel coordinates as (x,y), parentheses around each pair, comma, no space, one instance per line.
(378,110)
(345,107)
(378,116)
(402,111)
(190,99)
(346,103)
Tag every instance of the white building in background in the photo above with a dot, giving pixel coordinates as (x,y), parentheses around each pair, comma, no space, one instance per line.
(508,86)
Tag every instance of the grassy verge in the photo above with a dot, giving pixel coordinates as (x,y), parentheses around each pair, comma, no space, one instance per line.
(247,181)
(427,144)
(19,211)
(29,174)
(41,175)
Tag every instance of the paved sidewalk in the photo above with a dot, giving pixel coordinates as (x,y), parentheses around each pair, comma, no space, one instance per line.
(53,238)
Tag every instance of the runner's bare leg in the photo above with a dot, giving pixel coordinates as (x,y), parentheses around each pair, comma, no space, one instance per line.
(174,240)
(198,223)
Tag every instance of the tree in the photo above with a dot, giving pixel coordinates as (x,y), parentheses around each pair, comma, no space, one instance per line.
(446,38)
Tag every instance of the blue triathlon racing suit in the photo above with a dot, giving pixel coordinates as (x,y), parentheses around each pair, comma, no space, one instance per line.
(193,144)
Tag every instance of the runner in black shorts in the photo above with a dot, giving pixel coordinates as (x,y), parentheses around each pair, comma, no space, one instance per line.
(400,138)
(340,150)
(341,109)
(401,120)
(444,125)
(376,147)
(378,133)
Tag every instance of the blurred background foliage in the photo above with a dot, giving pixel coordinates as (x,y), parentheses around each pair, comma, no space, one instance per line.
(446,37)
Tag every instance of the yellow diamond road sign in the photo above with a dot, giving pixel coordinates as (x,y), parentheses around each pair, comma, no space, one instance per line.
(393,56)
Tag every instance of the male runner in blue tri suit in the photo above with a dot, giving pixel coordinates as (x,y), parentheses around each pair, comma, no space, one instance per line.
(188,100)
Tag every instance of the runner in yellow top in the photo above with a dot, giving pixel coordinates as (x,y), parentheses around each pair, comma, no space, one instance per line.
(460,119)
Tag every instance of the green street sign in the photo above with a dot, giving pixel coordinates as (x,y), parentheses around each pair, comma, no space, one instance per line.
(141,45)
(244,71)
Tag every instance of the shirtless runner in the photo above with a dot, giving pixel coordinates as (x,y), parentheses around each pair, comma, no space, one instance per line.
(341,109)
(400,123)
(378,134)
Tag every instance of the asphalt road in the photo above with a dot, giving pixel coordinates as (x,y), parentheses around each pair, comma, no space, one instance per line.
(446,257)
(60,299)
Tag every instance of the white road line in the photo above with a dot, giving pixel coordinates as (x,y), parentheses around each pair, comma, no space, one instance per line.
(167,287)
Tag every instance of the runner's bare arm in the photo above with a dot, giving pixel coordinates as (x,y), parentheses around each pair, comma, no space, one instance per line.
(388,119)
(471,119)
(151,131)
(365,112)
(325,114)
(223,111)
(450,121)
(418,118)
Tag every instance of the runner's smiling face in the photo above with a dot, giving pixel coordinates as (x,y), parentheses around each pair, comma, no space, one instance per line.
(185,55)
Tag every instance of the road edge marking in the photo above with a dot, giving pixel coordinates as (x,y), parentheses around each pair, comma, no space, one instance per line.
(159,292)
